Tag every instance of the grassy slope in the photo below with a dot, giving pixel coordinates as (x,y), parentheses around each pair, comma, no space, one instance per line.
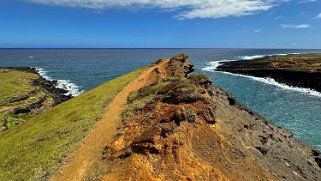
(304,62)
(34,150)
(15,83)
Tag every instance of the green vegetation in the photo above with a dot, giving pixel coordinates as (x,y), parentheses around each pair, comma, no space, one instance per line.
(190,115)
(15,83)
(34,150)
(302,62)
(138,99)
(18,92)
(186,86)
(196,78)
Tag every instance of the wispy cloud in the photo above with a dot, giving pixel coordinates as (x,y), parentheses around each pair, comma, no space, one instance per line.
(307,1)
(278,18)
(257,31)
(185,9)
(295,26)
(318,16)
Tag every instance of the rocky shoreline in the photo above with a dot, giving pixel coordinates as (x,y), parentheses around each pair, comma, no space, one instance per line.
(302,71)
(60,95)
(180,127)
(25,93)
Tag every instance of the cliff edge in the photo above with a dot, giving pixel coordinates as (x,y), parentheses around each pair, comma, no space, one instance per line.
(302,70)
(179,127)
(24,93)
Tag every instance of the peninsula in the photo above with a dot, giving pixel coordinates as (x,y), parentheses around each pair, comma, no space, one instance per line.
(302,70)
(24,93)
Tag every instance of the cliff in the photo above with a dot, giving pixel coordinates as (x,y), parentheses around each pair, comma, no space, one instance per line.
(24,94)
(302,70)
(179,127)
(161,122)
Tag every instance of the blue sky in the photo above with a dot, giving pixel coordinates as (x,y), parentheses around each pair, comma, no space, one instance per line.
(160,23)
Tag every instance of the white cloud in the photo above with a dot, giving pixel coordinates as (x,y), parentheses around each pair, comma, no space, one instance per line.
(307,1)
(278,18)
(318,16)
(297,26)
(185,9)
(257,31)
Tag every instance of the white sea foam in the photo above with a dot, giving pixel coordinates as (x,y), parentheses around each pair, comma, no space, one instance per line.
(251,57)
(271,81)
(281,54)
(72,88)
(211,67)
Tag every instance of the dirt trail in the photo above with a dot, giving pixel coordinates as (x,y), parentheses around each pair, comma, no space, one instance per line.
(90,151)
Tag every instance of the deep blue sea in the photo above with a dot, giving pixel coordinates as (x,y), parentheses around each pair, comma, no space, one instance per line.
(297,110)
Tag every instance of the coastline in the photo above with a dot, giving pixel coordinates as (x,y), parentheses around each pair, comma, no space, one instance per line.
(24,93)
(171,124)
(70,87)
(197,119)
(289,72)
(59,94)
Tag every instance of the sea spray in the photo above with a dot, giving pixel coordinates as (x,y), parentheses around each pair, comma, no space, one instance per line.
(212,66)
(72,88)
(251,57)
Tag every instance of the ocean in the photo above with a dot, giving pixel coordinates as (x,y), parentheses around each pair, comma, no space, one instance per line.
(79,70)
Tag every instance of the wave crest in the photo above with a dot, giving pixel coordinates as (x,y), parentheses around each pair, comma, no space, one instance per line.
(71,87)
(212,66)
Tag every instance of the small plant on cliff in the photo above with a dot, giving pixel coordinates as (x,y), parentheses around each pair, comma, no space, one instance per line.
(199,79)
(138,99)
(190,115)
(168,79)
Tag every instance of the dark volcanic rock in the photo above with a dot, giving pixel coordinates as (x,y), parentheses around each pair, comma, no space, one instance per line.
(288,70)
(59,95)
(44,95)
(193,131)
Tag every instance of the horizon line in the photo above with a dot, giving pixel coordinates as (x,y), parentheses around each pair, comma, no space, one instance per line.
(154,48)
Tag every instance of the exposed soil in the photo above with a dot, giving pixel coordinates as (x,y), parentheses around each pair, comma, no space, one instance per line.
(86,161)
(169,124)
(193,131)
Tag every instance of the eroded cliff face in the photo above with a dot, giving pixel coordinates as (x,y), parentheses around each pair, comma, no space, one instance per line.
(179,127)
(25,93)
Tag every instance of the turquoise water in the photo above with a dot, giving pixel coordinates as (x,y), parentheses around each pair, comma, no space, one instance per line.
(83,69)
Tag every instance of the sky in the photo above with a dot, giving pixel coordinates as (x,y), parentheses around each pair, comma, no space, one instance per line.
(160,24)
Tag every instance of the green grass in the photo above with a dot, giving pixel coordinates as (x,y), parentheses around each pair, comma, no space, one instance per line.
(15,83)
(33,150)
(18,84)
(138,99)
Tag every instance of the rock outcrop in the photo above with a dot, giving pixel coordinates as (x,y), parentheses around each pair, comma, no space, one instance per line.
(60,95)
(37,95)
(293,70)
(179,127)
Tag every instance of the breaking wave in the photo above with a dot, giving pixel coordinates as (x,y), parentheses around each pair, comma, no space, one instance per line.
(251,57)
(72,88)
(211,67)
